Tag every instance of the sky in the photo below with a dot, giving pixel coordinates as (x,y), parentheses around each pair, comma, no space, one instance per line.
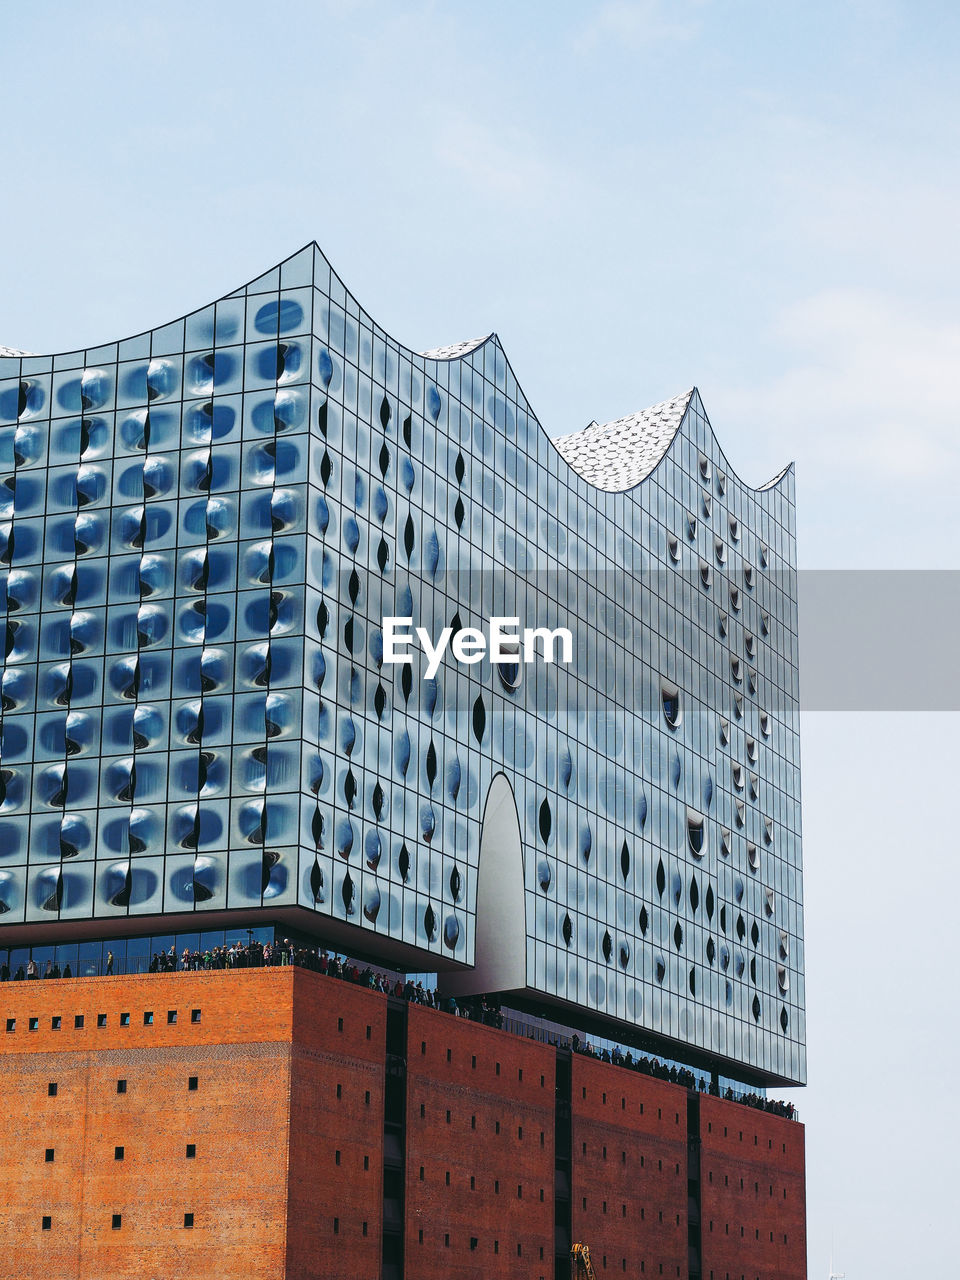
(759,198)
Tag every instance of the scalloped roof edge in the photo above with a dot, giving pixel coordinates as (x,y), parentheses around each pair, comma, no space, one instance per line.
(612,456)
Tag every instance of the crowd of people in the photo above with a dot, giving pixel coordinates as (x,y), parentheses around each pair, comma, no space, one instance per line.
(484,1009)
(681,1075)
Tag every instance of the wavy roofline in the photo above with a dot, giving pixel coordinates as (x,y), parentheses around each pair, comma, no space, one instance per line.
(449,353)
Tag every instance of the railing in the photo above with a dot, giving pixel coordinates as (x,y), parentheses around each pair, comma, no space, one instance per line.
(277,957)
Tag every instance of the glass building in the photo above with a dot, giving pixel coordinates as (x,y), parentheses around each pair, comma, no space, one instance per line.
(202,529)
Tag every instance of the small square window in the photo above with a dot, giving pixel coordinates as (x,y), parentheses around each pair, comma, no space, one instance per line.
(101,1019)
(192,1082)
(48,1155)
(118,1153)
(11,1024)
(192,1150)
(52,1089)
(124,1019)
(78,1021)
(46,1222)
(148,1017)
(171,1017)
(121,1086)
(188,1220)
(34,1024)
(55,1022)
(194,1015)
(117,1221)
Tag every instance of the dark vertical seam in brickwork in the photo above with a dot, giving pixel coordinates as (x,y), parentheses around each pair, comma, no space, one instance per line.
(288,1122)
(81,1196)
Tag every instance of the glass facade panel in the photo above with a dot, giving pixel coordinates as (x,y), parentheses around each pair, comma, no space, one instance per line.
(201,534)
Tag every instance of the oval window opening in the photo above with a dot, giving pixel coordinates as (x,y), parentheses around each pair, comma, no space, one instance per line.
(696,835)
(670,700)
(510,671)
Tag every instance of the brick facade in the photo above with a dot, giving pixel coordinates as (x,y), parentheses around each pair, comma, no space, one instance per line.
(334,1191)
(629,1170)
(753,1194)
(480,1156)
(254,1100)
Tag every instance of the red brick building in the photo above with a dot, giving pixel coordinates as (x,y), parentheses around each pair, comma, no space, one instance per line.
(275,1123)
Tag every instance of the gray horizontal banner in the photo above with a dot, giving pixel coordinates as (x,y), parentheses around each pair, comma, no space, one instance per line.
(862,640)
(879,640)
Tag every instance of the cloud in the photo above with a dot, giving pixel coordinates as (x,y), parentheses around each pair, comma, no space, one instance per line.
(500,164)
(872,385)
(641,23)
